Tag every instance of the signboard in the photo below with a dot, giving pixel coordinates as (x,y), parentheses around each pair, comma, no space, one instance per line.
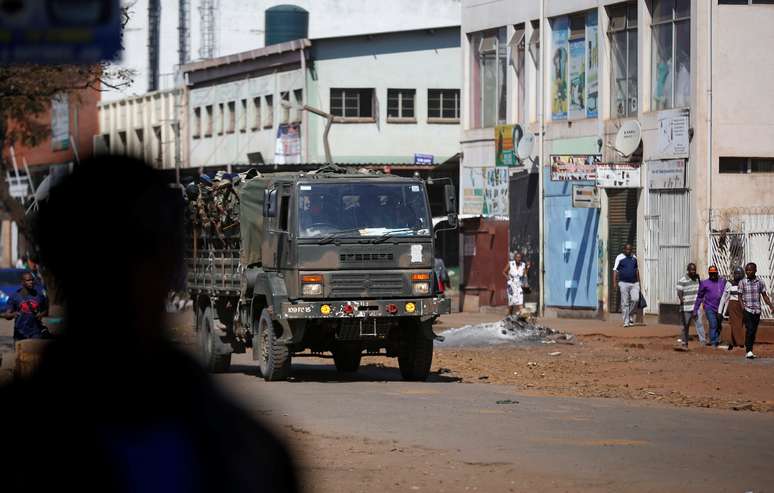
(666,174)
(673,138)
(18,187)
(618,175)
(577,79)
(585,196)
(472,185)
(59,31)
(60,122)
(287,148)
(559,57)
(504,145)
(574,167)
(423,159)
(592,65)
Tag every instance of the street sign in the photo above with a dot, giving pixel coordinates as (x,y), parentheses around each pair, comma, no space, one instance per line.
(59,31)
(585,196)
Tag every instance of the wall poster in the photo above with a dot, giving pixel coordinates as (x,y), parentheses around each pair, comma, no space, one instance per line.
(505,154)
(288,144)
(60,122)
(592,65)
(574,167)
(496,192)
(472,185)
(673,139)
(577,79)
(559,59)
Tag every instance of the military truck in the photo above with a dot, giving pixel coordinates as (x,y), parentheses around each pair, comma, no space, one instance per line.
(325,262)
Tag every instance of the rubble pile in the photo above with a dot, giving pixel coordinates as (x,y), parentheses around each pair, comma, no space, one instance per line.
(512,330)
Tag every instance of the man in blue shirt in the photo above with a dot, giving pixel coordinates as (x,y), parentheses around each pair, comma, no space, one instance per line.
(28,305)
(626,277)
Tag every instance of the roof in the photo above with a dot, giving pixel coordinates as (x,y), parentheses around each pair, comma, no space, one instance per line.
(382,33)
(246,56)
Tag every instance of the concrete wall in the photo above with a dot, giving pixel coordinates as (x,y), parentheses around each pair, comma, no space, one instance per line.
(232,148)
(147,125)
(239,26)
(419,60)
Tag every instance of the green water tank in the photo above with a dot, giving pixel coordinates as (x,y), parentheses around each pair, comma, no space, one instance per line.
(285,23)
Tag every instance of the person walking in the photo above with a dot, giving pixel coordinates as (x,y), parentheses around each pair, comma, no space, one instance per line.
(731,308)
(751,290)
(515,273)
(27,307)
(626,278)
(709,294)
(687,289)
(441,275)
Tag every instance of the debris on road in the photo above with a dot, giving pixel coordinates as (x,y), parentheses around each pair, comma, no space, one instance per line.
(514,329)
(507,401)
(555,353)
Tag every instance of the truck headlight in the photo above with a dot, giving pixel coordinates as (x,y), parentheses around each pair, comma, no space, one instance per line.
(312,289)
(421,288)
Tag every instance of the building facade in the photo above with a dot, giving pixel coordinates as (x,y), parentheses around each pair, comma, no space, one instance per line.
(673,79)
(396,97)
(161,36)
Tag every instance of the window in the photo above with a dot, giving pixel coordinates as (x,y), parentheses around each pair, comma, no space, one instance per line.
(268,121)
(197,123)
(574,67)
(353,103)
(243,117)
(298,96)
(746,165)
(443,105)
(208,128)
(517,45)
(671,54)
(622,32)
(285,96)
(158,158)
(123,148)
(400,105)
(256,113)
(489,77)
(221,118)
(231,121)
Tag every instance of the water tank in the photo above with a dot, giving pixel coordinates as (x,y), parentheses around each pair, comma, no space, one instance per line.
(285,23)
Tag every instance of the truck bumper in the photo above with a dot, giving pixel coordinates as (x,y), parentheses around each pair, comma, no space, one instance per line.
(422,307)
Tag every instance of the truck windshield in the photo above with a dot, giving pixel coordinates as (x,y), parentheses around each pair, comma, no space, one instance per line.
(362,209)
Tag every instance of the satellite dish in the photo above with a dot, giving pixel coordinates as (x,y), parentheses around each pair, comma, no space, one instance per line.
(525,147)
(628,138)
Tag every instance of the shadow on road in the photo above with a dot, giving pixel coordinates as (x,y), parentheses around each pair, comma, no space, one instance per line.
(326,373)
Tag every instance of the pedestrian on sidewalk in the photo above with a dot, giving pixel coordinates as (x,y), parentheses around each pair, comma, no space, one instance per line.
(27,307)
(515,274)
(710,292)
(731,308)
(687,289)
(626,278)
(751,290)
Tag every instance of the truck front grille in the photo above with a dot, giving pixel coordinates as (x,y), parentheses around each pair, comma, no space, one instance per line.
(367,285)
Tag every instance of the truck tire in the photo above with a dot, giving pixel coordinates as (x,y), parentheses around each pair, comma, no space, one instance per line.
(416,353)
(346,356)
(215,357)
(273,357)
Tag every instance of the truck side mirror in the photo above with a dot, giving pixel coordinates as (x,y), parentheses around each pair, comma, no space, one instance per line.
(450,198)
(270,204)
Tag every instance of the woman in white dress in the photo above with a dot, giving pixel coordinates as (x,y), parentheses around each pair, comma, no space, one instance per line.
(515,274)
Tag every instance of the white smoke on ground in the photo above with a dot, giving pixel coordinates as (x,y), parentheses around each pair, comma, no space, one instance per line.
(489,334)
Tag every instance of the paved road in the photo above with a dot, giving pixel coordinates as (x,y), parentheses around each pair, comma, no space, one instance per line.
(611,443)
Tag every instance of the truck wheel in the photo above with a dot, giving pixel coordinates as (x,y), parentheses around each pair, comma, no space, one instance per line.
(215,357)
(346,356)
(273,357)
(416,353)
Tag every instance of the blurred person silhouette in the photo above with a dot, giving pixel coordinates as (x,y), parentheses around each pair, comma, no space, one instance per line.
(114,405)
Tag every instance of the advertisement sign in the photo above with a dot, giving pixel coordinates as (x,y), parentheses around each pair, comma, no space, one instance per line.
(574,167)
(592,65)
(504,143)
(423,159)
(673,138)
(59,31)
(496,192)
(559,59)
(287,148)
(666,174)
(618,175)
(585,196)
(472,185)
(577,79)
(60,122)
